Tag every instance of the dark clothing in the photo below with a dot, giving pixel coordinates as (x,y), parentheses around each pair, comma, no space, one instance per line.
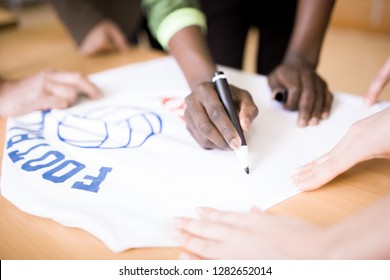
(79,16)
(228,22)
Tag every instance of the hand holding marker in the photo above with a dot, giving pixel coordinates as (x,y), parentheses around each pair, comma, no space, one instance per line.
(222,88)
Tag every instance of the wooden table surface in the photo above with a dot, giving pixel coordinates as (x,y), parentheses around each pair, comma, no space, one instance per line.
(23,236)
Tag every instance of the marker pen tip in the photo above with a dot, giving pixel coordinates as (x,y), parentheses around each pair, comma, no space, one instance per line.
(247,170)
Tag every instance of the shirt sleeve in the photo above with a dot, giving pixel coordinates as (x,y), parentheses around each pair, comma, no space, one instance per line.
(166,17)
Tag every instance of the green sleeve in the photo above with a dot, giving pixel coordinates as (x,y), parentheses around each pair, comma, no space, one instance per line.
(166,17)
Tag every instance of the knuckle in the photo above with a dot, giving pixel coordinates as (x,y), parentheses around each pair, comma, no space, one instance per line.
(295,90)
(225,130)
(216,113)
(254,112)
(189,100)
(205,127)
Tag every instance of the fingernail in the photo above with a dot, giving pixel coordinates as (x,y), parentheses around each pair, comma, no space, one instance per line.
(325,115)
(302,123)
(367,102)
(314,121)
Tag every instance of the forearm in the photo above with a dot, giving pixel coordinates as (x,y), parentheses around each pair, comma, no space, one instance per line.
(190,50)
(363,236)
(311,22)
(179,25)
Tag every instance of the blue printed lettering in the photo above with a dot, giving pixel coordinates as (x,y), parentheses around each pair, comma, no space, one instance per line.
(15,156)
(50,175)
(22,137)
(28,165)
(96,181)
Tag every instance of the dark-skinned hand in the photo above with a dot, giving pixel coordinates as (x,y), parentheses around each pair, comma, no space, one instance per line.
(208,121)
(307,92)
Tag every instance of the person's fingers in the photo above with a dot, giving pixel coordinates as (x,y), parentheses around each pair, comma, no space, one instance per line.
(343,156)
(248,111)
(307,100)
(291,81)
(76,80)
(203,228)
(378,83)
(273,81)
(53,102)
(63,91)
(327,105)
(222,122)
(319,102)
(215,125)
(317,175)
(225,217)
(208,249)
(274,84)
(276,88)
(317,161)
(96,45)
(374,91)
(191,127)
(312,177)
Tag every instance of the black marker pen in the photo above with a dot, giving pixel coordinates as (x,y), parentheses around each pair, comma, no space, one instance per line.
(222,87)
(280,95)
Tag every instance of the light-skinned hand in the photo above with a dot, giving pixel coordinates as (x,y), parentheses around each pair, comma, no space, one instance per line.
(103,37)
(255,235)
(366,139)
(46,90)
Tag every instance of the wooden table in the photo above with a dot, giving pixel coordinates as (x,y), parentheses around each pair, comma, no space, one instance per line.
(7,18)
(23,236)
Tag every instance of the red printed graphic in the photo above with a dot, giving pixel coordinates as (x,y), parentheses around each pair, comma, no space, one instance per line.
(176,105)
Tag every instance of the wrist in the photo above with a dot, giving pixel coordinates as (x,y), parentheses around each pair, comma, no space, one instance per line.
(191,53)
(300,60)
